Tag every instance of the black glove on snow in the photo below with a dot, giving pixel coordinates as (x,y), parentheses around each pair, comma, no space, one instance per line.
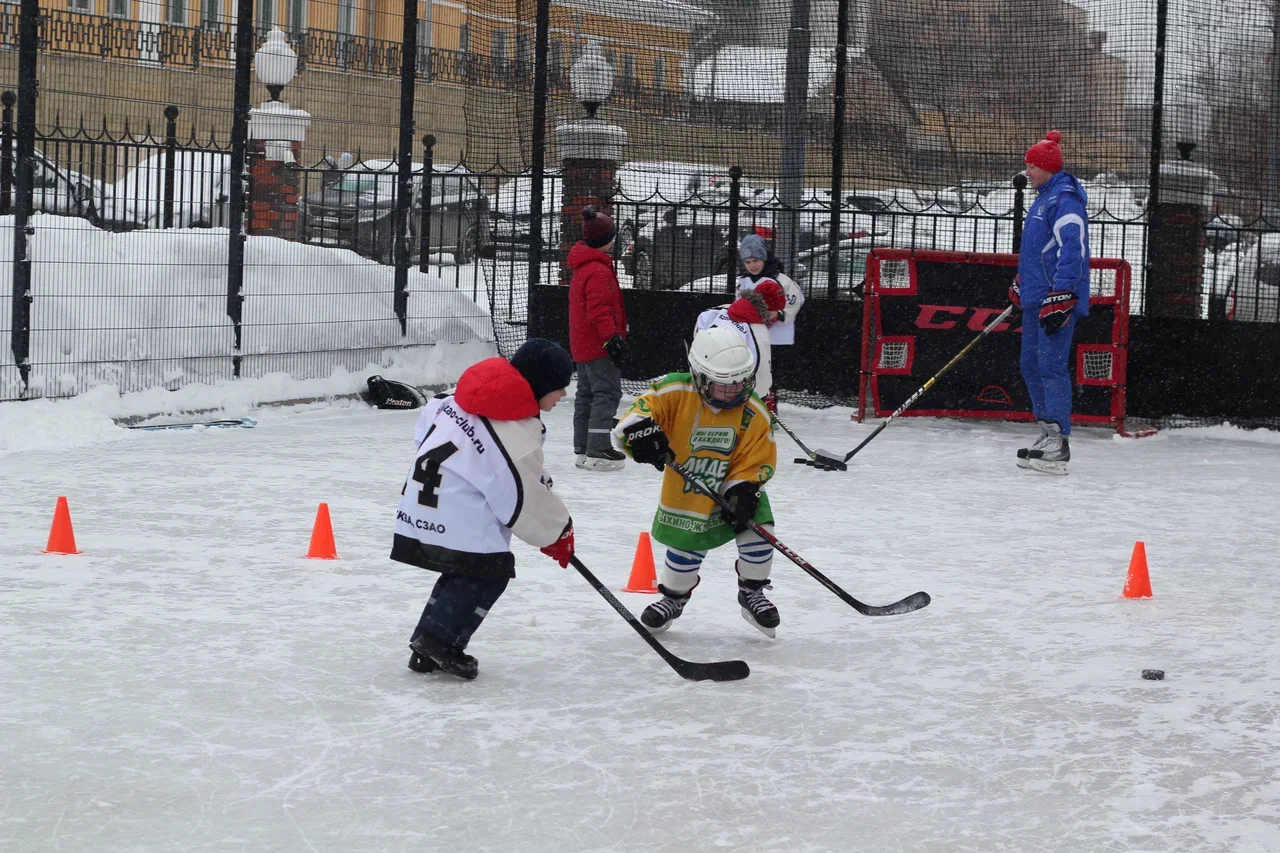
(648,443)
(616,348)
(743,499)
(1056,309)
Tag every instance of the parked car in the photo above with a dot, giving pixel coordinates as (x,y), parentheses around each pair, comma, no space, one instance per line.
(56,189)
(201,197)
(810,272)
(356,211)
(511,209)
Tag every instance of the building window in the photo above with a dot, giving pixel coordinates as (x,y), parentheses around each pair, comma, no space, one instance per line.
(81,5)
(555,62)
(120,8)
(628,73)
(464,38)
(266,16)
(498,48)
(297,16)
(424,27)
(660,74)
(346,17)
(209,18)
(175,11)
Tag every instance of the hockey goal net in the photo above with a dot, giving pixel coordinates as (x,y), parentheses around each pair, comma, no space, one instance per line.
(924,306)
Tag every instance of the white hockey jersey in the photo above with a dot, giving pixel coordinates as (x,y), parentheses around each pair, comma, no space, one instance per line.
(782,333)
(756,336)
(477,477)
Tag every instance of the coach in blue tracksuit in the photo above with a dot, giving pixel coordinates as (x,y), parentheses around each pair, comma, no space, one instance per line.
(1052,288)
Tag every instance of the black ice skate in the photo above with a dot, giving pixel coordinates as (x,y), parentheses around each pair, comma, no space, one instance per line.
(1053,457)
(418,663)
(757,609)
(1024,453)
(657,617)
(448,658)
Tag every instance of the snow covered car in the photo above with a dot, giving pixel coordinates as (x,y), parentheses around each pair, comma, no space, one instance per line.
(56,189)
(201,192)
(510,214)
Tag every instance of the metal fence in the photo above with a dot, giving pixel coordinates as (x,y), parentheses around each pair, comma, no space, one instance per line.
(140,255)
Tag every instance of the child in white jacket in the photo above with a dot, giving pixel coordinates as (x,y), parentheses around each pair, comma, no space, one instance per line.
(752,314)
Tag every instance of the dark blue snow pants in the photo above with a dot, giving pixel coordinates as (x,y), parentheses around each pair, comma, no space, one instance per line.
(1045,368)
(457,606)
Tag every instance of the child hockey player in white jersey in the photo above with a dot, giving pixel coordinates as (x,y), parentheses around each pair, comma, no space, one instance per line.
(477,477)
(752,314)
(710,422)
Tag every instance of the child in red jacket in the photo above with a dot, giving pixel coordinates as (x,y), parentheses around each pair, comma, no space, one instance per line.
(597,341)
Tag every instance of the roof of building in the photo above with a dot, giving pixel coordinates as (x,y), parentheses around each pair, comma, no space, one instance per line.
(678,14)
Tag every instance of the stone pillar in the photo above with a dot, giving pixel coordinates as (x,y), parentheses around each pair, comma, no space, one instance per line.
(590,151)
(1176,235)
(276,134)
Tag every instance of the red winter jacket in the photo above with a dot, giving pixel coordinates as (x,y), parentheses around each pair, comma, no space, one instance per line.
(596,312)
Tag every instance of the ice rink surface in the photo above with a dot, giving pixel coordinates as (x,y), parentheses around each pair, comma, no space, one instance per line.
(191,683)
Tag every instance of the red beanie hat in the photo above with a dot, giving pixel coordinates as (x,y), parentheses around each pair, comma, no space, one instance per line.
(774,298)
(1047,153)
(597,227)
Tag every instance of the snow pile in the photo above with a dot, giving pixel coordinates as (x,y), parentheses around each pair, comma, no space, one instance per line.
(149,308)
(755,75)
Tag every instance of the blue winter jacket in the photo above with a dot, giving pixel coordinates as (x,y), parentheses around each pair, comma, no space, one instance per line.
(1055,244)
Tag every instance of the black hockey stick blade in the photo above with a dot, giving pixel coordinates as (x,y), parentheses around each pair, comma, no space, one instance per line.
(724,670)
(911,603)
(824,464)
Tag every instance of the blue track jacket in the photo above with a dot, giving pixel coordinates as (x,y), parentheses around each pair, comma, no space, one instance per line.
(1055,244)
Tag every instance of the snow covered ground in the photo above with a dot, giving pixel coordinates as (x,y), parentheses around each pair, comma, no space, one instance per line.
(190,682)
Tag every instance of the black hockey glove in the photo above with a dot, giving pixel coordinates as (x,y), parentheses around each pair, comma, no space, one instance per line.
(1057,309)
(743,499)
(648,443)
(616,348)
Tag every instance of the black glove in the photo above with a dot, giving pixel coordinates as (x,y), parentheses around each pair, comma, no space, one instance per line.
(648,443)
(616,348)
(1056,309)
(743,500)
(1015,294)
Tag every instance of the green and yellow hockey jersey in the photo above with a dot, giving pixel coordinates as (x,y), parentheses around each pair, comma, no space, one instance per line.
(722,447)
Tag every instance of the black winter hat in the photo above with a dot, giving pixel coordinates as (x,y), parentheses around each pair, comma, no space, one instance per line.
(544,364)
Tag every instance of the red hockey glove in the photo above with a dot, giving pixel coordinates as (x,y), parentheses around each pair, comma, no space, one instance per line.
(1056,309)
(562,549)
(1015,294)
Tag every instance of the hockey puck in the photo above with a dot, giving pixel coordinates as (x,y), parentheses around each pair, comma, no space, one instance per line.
(1153,674)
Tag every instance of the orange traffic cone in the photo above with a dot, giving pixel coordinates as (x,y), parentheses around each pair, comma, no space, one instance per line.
(322,545)
(643,577)
(1138,583)
(62,539)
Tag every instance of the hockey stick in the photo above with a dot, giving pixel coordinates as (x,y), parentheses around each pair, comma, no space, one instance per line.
(725,670)
(823,460)
(926,386)
(915,601)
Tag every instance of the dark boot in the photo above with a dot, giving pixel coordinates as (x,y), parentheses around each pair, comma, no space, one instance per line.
(451,659)
(657,617)
(756,608)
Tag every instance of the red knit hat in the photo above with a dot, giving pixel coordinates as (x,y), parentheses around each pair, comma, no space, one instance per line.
(597,228)
(774,298)
(1047,153)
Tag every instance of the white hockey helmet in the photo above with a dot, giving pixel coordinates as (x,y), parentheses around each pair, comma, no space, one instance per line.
(723,367)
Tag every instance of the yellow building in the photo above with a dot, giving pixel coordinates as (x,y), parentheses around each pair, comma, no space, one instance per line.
(480,43)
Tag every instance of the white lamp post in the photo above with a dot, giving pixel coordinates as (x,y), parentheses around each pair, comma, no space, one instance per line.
(275,63)
(591,78)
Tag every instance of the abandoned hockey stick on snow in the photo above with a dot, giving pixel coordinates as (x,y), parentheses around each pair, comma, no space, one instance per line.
(915,601)
(926,386)
(823,460)
(725,670)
